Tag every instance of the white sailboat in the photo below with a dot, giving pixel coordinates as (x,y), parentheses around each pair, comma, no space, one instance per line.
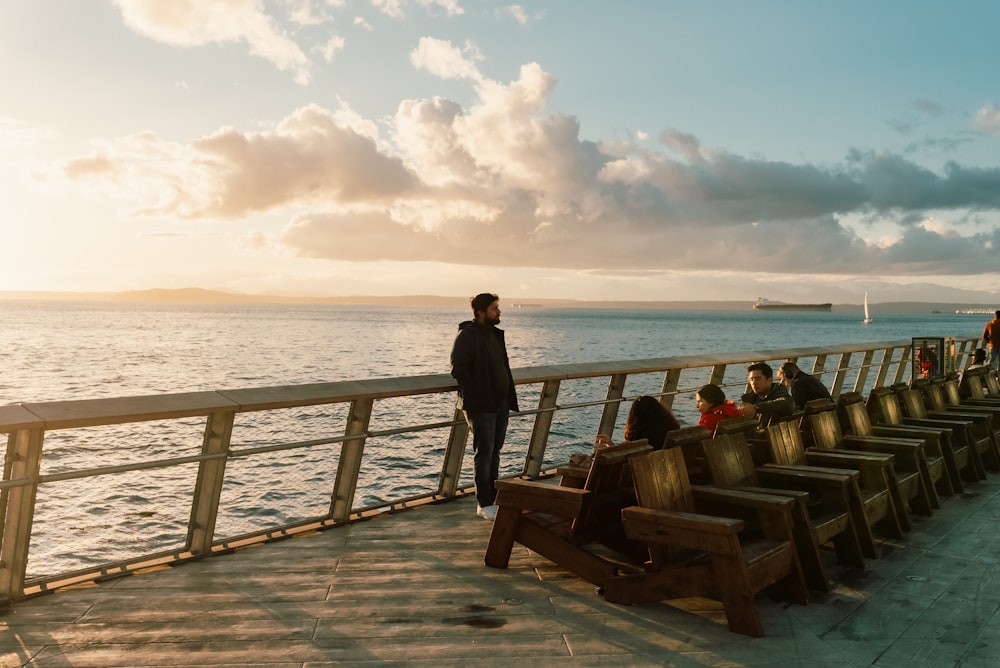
(868,318)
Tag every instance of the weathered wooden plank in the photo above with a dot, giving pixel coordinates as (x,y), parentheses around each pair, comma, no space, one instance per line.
(121,410)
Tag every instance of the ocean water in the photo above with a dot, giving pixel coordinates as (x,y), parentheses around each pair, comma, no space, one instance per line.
(73,350)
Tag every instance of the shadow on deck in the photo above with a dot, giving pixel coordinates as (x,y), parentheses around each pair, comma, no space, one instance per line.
(411,588)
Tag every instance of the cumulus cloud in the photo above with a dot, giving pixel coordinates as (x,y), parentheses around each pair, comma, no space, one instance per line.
(308,159)
(330,49)
(441,58)
(988,120)
(505,181)
(517,13)
(395,8)
(189,23)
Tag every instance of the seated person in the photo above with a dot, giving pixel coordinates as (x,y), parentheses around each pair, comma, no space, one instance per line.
(647,418)
(978,361)
(712,404)
(766,399)
(802,386)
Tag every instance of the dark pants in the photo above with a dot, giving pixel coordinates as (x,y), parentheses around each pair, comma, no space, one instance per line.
(488,433)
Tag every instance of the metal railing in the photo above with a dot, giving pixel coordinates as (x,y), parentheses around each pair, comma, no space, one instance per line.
(210,477)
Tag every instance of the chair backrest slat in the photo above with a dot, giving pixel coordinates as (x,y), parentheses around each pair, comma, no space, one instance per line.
(661,481)
(853,414)
(729,461)
(785,442)
(824,429)
(608,470)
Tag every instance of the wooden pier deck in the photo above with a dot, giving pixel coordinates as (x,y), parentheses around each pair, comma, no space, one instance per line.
(411,589)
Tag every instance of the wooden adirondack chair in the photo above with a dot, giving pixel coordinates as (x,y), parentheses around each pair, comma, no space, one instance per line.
(974,386)
(952,398)
(854,421)
(568,525)
(689,441)
(989,381)
(907,479)
(985,422)
(871,502)
(884,408)
(754,439)
(821,513)
(965,429)
(698,554)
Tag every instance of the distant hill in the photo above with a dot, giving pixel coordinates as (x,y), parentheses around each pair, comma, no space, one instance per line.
(203,296)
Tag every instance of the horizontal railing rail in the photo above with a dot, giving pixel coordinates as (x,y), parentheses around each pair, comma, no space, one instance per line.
(380,446)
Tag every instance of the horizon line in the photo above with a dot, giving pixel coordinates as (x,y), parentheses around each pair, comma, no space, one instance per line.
(205,295)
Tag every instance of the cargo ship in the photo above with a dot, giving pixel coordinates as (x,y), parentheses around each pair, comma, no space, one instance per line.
(764,305)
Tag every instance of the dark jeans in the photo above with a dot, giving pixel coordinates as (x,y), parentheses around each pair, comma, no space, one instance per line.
(488,433)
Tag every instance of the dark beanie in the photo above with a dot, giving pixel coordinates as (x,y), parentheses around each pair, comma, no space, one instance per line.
(713,394)
(482,301)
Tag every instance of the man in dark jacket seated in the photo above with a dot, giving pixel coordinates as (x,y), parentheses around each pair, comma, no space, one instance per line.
(766,400)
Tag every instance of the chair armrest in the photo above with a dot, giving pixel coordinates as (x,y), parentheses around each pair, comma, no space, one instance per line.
(973,420)
(718,535)
(908,453)
(846,454)
(873,468)
(938,422)
(932,438)
(758,499)
(541,497)
(801,497)
(817,475)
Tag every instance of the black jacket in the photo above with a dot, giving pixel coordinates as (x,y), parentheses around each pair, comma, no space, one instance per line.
(475,370)
(806,388)
(777,403)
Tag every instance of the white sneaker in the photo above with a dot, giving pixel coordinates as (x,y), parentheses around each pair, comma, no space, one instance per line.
(488,512)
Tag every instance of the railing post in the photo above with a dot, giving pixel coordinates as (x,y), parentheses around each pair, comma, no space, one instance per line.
(208,488)
(671,379)
(818,364)
(349,466)
(883,367)
(547,402)
(904,364)
(866,362)
(22,462)
(841,374)
(454,454)
(718,374)
(609,416)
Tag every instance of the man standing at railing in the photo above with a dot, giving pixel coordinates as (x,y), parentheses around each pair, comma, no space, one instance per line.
(485,392)
(991,336)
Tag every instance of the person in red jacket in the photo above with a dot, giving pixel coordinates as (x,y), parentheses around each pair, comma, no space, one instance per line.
(714,407)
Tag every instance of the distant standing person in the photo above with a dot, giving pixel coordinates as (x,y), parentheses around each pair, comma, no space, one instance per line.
(486,392)
(766,399)
(803,386)
(991,336)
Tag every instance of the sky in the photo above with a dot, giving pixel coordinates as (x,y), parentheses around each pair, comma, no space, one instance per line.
(641,150)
